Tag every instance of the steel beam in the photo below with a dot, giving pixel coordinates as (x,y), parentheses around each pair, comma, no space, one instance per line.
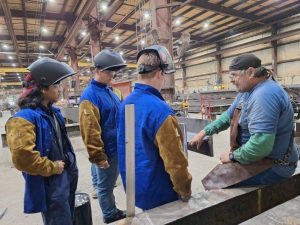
(162,24)
(121,22)
(220,35)
(274,51)
(25,24)
(220,207)
(284,214)
(12,70)
(226,11)
(112,10)
(9,25)
(75,66)
(245,45)
(31,38)
(219,64)
(62,11)
(87,8)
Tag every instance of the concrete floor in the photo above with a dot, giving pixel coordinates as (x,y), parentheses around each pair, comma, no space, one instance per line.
(12,184)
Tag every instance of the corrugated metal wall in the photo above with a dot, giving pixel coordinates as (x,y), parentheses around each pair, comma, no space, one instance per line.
(201,74)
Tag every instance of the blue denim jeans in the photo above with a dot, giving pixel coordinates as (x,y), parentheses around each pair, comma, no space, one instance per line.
(94,176)
(106,181)
(60,195)
(267,177)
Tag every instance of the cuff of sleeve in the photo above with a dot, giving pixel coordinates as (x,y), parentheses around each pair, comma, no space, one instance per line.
(55,169)
(101,157)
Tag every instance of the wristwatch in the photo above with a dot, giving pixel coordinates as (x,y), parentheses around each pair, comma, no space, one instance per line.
(231,157)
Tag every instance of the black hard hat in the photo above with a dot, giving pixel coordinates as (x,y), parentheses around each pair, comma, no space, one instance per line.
(243,62)
(166,62)
(47,71)
(109,59)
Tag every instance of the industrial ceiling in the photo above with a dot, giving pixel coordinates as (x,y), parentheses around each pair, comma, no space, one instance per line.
(34,28)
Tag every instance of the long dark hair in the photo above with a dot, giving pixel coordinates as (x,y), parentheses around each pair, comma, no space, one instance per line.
(33,99)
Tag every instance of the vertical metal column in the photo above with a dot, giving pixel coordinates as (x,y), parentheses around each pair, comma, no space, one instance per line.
(219,66)
(74,65)
(183,67)
(274,52)
(130,159)
(162,23)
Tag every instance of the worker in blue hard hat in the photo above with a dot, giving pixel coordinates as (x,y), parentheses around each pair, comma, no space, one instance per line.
(160,164)
(40,147)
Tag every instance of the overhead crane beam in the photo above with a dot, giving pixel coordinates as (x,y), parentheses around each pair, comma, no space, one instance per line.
(87,8)
(10,83)
(24,70)
(12,70)
(112,10)
(9,25)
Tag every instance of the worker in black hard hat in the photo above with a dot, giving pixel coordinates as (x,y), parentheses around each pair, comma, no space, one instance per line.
(261,121)
(97,112)
(40,147)
(160,164)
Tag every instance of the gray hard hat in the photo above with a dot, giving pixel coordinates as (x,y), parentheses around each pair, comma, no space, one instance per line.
(166,62)
(47,71)
(109,59)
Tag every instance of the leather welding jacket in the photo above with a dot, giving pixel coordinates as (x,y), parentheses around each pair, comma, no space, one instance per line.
(97,116)
(32,141)
(160,164)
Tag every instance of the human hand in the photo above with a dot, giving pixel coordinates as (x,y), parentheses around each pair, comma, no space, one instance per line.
(61,166)
(224,157)
(185,198)
(103,164)
(197,139)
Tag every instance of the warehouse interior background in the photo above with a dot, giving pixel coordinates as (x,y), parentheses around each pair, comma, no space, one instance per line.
(203,37)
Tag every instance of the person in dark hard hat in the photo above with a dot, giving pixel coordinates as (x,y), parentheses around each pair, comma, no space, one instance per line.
(40,147)
(261,121)
(160,164)
(97,112)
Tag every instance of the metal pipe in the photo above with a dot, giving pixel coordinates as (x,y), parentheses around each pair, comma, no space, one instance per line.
(130,159)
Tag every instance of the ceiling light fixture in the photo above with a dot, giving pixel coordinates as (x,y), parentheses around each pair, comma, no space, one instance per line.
(10,57)
(13,64)
(147,15)
(42,47)
(206,25)
(177,22)
(83,33)
(142,42)
(44,30)
(104,6)
(117,38)
(121,53)
(5,46)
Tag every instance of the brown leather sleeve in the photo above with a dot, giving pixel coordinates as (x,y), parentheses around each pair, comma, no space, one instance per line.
(169,142)
(21,138)
(89,123)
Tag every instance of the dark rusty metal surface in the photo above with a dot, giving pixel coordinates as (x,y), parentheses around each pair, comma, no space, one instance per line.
(220,207)
(284,214)
(193,126)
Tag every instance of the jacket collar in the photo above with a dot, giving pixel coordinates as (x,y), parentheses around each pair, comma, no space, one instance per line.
(98,84)
(46,111)
(148,88)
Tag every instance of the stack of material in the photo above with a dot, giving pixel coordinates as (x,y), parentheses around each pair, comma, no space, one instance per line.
(216,101)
